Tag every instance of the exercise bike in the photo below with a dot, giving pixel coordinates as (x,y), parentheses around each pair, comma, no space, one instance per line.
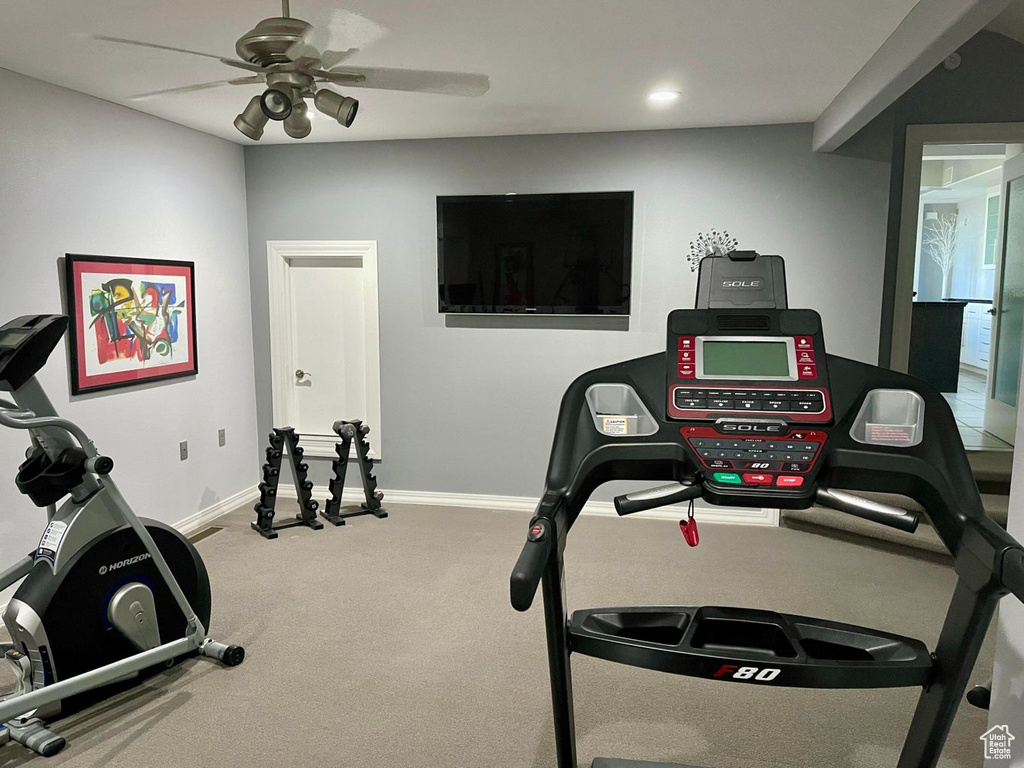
(106,596)
(746,409)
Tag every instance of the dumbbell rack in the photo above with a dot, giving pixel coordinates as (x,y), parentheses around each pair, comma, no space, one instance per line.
(284,442)
(349,432)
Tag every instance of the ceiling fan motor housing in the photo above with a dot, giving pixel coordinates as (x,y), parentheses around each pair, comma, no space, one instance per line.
(269,41)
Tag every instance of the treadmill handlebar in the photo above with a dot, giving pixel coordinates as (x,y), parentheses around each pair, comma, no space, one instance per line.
(529,567)
(875,511)
(639,501)
(1013,572)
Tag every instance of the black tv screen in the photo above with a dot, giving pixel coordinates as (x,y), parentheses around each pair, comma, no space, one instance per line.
(560,254)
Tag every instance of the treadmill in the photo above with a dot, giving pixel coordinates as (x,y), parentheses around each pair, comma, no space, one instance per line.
(746,409)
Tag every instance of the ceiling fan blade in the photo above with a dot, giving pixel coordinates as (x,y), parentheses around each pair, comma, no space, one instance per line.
(230,62)
(200,87)
(330,59)
(335,29)
(415,80)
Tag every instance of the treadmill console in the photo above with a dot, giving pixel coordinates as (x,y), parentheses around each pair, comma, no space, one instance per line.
(749,383)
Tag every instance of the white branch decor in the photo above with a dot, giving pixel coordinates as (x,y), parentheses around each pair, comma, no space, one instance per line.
(940,244)
(714,243)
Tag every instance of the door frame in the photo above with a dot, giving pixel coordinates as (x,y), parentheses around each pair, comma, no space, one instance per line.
(280,255)
(916,138)
(997,413)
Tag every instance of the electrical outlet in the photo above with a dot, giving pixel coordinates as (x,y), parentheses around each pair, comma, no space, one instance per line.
(222,437)
(183,449)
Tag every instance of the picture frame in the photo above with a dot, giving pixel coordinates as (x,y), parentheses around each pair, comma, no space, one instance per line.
(132,321)
(513,278)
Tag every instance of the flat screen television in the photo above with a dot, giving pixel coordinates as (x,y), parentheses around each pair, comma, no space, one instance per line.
(558,254)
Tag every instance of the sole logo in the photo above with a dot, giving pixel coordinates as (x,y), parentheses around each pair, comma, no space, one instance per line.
(105,569)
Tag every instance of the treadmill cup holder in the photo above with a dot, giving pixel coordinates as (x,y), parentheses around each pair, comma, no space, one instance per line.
(618,411)
(892,417)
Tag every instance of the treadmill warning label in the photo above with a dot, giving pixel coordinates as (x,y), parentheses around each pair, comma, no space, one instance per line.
(615,425)
(890,433)
(52,537)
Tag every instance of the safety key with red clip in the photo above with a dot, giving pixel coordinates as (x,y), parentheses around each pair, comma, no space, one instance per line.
(689,527)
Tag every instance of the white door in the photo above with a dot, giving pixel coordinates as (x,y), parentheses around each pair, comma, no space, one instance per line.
(1007,308)
(325,354)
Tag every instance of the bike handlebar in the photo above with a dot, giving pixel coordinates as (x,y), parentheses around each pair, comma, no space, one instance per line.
(22,419)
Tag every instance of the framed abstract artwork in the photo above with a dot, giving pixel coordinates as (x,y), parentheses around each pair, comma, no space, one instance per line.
(132,321)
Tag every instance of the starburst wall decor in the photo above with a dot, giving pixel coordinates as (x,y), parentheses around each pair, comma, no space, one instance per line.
(714,243)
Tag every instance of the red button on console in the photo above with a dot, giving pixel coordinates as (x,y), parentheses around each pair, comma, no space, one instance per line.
(803,342)
(788,481)
(686,356)
(758,479)
(804,357)
(808,371)
(687,371)
(686,342)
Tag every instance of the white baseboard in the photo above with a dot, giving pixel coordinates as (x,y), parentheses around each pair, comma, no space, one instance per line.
(202,518)
(728,515)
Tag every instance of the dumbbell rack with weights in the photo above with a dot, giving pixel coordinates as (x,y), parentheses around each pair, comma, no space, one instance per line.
(284,442)
(353,432)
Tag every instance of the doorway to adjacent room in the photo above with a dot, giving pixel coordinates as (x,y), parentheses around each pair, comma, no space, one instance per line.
(963,315)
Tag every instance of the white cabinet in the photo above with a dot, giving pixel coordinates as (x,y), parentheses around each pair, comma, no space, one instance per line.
(977,335)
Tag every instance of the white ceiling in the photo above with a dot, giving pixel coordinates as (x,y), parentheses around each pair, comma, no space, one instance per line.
(556,66)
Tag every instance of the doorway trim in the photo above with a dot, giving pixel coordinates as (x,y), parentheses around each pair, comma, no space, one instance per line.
(280,255)
(916,138)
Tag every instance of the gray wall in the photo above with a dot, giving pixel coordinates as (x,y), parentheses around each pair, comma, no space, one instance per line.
(472,409)
(81,175)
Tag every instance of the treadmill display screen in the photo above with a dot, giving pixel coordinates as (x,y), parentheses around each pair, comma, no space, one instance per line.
(13,338)
(745,359)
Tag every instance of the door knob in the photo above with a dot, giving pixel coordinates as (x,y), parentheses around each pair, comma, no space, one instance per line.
(990,311)
(301,374)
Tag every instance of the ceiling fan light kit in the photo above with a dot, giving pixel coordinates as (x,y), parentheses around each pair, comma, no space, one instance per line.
(297,124)
(278,51)
(275,104)
(337,107)
(252,120)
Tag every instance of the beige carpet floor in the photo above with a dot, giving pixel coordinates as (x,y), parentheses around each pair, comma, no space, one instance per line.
(392,644)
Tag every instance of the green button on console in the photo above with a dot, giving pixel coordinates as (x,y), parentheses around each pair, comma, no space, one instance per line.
(727,478)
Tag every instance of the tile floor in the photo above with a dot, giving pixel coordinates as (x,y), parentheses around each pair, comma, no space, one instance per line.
(968,404)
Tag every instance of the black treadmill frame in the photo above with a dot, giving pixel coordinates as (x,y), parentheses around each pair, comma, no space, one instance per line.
(988,562)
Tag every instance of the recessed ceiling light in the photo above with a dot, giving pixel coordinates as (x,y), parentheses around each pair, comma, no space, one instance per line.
(663,97)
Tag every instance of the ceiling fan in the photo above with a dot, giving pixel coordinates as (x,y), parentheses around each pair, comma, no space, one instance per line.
(282,52)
